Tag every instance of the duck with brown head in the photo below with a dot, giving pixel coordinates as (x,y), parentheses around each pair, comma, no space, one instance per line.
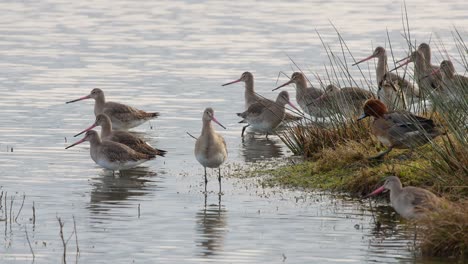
(123,137)
(398,129)
(123,117)
(210,147)
(112,155)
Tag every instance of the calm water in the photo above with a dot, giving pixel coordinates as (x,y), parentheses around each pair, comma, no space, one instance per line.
(172,57)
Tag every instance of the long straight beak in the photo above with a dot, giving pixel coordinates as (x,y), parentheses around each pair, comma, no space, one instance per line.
(217,122)
(236,81)
(398,61)
(293,106)
(284,84)
(89,128)
(79,99)
(363,60)
(362,116)
(76,143)
(377,191)
(401,65)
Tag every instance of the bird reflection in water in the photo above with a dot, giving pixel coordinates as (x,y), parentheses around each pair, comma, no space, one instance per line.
(109,190)
(260,148)
(387,229)
(211,228)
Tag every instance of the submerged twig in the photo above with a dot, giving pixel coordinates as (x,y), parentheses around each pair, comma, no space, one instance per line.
(21,208)
(29,242)
(76,237)
(61,224)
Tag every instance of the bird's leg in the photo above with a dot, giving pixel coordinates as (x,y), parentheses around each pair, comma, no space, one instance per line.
(206,180)
(219,180)
(381,154)
(206,196)
(415,235)
(243,130)
(219,203)
(266,135)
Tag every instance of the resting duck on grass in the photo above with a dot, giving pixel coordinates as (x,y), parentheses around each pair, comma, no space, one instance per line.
(398,129)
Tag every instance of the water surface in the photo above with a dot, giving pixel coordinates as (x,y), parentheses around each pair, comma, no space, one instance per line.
(172,57)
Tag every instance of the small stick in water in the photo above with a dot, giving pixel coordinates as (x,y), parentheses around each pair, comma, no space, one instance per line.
(76,237)
(21,208)
(34,215)
(29,243)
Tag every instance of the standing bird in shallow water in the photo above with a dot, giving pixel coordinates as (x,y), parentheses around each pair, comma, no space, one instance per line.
(410,202)
(264,118)
(382,73)
(123,137)
(251,97)
(112,155)
(422,68)
(210,147)
(453,86)
(123,117)
(347,101)
(305,96)
(398,129)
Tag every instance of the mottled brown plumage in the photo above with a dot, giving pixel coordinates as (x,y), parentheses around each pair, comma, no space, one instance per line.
(305,96)
(398,129)
(210,147)
(265,118)
(347,101)
(123,117)
(422,71)
(251,97)
(383,73)
(112,155)
(123,137)
(410,202)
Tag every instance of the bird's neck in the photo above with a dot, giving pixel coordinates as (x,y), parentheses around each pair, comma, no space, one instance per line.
(448,74)
(382,67)
(106,129)
(99,104)
(395,190)
(249,89)
(207,128)
(301,85)
(95,142)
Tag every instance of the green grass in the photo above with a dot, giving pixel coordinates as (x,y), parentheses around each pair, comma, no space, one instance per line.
(347,169)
